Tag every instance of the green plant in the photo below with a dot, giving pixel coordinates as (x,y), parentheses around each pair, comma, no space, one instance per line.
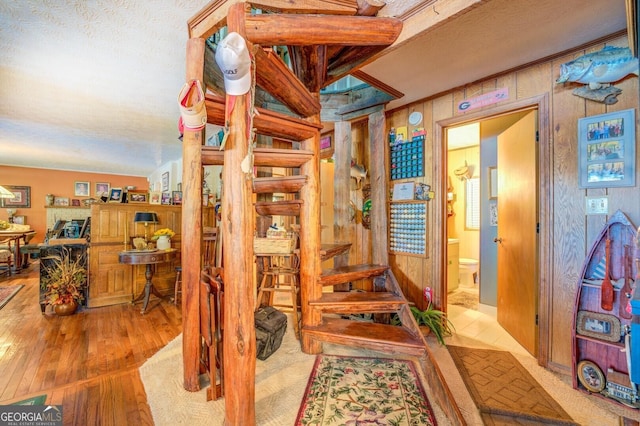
(436,320)
(64,278)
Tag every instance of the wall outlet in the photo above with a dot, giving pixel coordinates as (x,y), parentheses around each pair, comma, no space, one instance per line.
(597,205)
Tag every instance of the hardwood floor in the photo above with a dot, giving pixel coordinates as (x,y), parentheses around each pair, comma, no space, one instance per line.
(87,362)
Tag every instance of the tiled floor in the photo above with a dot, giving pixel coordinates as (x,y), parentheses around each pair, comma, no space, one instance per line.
(481,325)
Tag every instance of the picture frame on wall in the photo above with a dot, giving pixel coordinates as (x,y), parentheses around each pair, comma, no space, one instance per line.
(102,189)
(599,326)
(155,197)
(21,197)
(176,197)
(165,181)
(165,200)
(326,146)
(607,150)
(81,189)
(137,196)
(115,195)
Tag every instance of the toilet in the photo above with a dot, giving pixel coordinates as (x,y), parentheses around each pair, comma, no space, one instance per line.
(468,272)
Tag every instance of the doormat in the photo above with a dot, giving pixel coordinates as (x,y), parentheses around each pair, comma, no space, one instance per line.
(357,390)
(6,293)
(504,391)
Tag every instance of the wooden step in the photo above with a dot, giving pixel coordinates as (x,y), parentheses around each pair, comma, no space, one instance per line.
(345,274)
(278,208)
(262,157)
(286,184)
(379,337)
(266,122)
(358,302)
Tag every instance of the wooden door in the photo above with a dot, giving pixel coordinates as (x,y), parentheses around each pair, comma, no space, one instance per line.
(517,234)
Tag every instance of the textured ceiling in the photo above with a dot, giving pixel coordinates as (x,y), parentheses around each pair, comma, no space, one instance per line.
(92,85)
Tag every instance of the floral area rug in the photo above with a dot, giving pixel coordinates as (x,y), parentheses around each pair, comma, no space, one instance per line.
(356,390)
(6,293)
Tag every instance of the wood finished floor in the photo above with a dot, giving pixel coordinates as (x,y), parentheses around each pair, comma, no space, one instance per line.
(88,362)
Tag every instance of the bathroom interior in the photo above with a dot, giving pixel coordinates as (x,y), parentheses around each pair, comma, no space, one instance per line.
(472,215)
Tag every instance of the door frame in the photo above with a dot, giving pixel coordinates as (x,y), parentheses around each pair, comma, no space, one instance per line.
(545,191)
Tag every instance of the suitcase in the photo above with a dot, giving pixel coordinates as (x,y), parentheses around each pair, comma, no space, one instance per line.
(271,324)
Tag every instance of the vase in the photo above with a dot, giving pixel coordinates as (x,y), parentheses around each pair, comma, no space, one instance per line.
(163,242)
(65,308)
(49,199)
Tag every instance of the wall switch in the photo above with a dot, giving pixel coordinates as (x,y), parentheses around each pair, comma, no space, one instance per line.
(597,205)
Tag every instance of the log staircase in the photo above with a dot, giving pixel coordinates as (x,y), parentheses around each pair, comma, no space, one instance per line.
(323,48)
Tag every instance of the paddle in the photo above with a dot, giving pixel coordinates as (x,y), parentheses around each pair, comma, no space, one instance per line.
(606,291)
(625,294)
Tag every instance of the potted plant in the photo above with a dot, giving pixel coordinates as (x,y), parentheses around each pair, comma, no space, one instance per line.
(162,238)
(64,280)
(430,320)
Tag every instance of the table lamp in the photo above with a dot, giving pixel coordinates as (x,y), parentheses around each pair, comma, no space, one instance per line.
(146,218)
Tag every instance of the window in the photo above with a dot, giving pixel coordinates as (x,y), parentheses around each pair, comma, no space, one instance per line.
(472,204)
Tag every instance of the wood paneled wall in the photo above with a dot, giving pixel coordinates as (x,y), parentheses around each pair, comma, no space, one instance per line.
(571,231)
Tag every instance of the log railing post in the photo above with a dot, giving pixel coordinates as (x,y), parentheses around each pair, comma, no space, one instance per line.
(192,141)
(238,217)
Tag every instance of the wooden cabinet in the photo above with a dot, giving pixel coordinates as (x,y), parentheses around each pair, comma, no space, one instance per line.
(453,258)
(111,282)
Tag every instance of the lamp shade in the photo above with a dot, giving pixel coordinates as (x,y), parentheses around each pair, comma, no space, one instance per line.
(146,217)
(5,193)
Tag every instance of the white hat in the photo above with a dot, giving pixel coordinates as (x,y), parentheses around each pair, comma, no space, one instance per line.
(233,59)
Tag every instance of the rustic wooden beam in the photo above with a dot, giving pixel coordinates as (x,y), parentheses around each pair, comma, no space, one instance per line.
(310,228)
(342,187)
(239,340)
(374,82)
(369,7)
(301,30)
(275,77)
(191,231)
(309,64)
(379,187)
(350,59)
(263,157)
(279,208)
(268,123)
(285,184)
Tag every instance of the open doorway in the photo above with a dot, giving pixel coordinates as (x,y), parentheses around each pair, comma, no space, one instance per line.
(492,263)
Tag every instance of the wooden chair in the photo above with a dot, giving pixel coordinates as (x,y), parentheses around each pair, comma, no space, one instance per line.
(281,274)
(7,248)
(211,329)
(209,239)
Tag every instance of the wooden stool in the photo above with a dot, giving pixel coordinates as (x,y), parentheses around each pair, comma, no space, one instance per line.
(281,274)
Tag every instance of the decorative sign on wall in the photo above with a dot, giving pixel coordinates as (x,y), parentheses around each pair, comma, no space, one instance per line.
(408,228)
(484,100)
(407,156)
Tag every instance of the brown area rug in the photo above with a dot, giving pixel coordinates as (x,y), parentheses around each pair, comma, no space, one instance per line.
(504,391)
(6,293)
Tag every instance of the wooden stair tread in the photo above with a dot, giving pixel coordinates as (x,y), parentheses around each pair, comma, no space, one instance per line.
(262,157)
(380,337)
(359,302)
(286,184)
(349,273)
(278,208)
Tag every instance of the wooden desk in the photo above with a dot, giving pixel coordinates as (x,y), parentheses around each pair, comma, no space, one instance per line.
(148,258)
(25,236)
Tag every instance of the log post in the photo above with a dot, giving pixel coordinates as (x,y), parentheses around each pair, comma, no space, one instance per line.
(310,265)
(238,217)
(342,187)
(192,140)
(379,188)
